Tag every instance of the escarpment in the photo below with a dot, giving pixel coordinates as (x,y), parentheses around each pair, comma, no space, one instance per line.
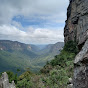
(76,29)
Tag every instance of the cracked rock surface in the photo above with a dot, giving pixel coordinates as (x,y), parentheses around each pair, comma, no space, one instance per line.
(76,29)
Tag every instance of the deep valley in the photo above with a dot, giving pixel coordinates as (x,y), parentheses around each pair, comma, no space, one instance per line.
(15,55)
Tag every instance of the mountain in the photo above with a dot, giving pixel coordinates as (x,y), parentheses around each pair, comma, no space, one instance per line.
(15,55)
(54,48)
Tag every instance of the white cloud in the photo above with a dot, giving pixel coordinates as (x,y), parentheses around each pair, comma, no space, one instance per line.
(35,36)
(44,9)
(52,11)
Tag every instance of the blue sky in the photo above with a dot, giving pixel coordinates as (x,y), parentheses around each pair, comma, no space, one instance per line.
(37,22)
(33,21)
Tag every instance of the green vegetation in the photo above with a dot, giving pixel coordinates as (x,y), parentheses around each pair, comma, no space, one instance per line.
(58,70)
(67,54)
(24,81)
(16,55)
(54,74)
(17,60)
(12,76)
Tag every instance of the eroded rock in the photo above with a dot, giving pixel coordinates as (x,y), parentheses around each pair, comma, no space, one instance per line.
(4,81)
(76,29)
(81,68)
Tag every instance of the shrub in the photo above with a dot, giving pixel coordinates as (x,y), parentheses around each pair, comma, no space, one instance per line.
(71,47)
(67,54)
(12,77)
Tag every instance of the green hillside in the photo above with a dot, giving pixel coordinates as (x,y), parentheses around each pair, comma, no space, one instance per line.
(54,74)
(15,55)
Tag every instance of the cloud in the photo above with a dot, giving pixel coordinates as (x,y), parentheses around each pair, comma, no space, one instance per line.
(43,9)
(32,21)
(34,36)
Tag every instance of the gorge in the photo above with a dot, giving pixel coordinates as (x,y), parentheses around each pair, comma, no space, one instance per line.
(71,63)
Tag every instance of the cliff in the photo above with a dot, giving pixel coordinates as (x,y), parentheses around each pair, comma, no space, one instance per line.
(76,29)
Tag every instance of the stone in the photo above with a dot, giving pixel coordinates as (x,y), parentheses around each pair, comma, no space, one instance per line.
(4,81)
(81,55)
(70,86)
(81,68)
(70,80)
(76,29)
(70,83)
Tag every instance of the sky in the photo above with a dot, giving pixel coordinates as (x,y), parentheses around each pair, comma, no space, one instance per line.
(33,21)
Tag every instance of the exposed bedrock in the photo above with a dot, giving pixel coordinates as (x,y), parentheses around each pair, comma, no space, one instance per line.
(81,68)
(76,29)
(4,81)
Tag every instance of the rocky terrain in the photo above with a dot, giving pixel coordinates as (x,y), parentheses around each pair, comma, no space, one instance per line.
(4,81)
(76,29)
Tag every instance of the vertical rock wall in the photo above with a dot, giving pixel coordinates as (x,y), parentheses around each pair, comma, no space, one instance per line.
(76,29)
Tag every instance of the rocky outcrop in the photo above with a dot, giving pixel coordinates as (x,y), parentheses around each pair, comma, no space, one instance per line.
(81,68)
(70,84)
(76,29)
(4,81)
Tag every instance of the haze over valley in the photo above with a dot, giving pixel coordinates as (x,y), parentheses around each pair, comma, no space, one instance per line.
(15,55)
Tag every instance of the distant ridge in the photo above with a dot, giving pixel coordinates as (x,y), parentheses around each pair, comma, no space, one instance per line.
(15,55)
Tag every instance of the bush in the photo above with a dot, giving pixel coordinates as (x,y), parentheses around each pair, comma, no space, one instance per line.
(67,54)
(12,77)
(71,47)
(24,80)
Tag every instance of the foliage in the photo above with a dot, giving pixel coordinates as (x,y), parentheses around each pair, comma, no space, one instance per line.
(12,76)
(71,47)
(54,74)
(62,69)
(56,78)
(46,69)
(62,59)
(67,54)
(19,60)
(24,80)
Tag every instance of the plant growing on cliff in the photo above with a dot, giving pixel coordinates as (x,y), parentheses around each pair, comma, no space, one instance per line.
(67,54)
(71,47)
(62,67)
(54,74)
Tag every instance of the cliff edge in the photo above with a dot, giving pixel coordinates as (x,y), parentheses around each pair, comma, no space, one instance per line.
(76,29)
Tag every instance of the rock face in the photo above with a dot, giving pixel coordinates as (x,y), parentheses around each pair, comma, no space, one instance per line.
(81,68)
(4,81)
(76,29)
